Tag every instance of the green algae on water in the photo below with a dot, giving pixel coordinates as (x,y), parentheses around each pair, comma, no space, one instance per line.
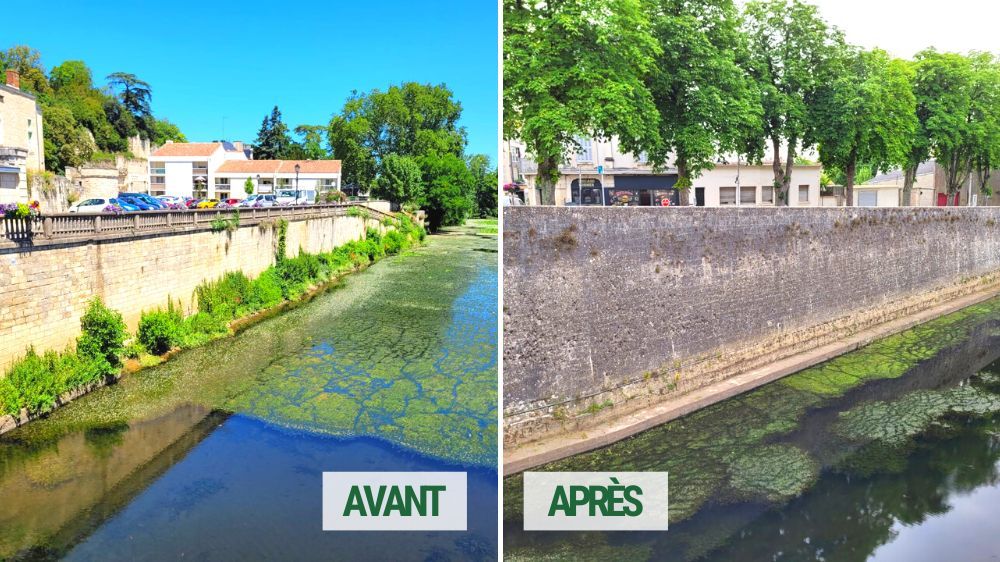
(771,444)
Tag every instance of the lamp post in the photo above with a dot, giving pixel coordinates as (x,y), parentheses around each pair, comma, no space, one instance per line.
(258,183)
(296,184)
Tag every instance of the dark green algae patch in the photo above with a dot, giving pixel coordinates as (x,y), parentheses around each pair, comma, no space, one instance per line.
(404,351)
(858,415)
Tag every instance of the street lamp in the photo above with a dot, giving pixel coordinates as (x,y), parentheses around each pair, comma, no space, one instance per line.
(296,184)
(258,183)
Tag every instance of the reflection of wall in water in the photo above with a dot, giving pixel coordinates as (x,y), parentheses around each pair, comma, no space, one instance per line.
(84,476)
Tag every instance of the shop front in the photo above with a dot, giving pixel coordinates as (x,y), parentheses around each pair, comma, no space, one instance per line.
(644,191)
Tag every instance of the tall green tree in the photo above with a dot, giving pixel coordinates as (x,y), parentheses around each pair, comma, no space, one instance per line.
(865,113)
(450,189)
(28,63)
(164,130)
(67,143)
(485,179)
(135,97)
(273,141)
(577,68)
(410,119)
(790,51)
(311,145)
(400,180)
(985,118)
(706,102)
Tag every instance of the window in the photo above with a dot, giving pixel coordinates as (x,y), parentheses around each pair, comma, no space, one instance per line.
(157,168)
(803,194)
(9,181)
(748,194)
(328,183)
(766,194)
(157,180)
(727,195)
(222,183)
(586,150)
(867,199)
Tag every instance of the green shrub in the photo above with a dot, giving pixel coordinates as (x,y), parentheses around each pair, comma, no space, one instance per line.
(30,384)
(134,349)
(160,331)
(200,328)
(374,235)
(223,297)
(394,242)
(103,335)
(265,291)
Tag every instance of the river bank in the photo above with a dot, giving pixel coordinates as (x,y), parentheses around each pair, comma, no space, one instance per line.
(394,369)
(289,283)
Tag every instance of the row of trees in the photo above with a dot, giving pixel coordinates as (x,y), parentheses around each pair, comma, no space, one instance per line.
(689,80)
(82,120)
(403,144)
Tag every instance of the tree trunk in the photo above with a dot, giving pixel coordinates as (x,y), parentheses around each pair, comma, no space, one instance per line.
(779,172)
(683,183)
(789,163)
(909,177)
(850,172)
(547,168)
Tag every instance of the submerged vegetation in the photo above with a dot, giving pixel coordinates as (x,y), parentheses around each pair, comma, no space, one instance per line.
(35,382)
(858,414)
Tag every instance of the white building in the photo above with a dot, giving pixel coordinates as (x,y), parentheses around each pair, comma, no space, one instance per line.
(219,170)
(601,174)
(21,146)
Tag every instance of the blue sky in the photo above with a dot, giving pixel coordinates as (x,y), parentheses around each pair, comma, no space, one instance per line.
(227,63)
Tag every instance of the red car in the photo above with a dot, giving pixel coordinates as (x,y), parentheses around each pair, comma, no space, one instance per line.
(232,201)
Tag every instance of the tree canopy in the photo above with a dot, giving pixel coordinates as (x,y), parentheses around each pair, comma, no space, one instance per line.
(82,118)
(865,112)
(706,102)
(577,68)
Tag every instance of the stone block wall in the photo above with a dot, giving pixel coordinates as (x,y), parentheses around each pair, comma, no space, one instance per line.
(44,290)
(598,301)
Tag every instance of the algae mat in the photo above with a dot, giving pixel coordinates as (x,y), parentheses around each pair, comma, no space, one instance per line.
(855,416)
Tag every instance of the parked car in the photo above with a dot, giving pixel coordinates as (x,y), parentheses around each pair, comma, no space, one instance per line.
(153,202)
(123,204)
(168,199)
(95,205)
(192,202)
(207,203)
(288,197)
(232,201)
(258,200)
(139,203)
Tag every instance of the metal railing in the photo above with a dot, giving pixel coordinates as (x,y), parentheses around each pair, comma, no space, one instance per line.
(76,226)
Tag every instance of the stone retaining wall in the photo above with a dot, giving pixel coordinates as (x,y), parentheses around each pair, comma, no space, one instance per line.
(44,289)
(621,307)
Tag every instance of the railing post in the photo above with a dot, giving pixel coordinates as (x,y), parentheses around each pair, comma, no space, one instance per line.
(97,224)
(170,219)
(47,227)
(135,222)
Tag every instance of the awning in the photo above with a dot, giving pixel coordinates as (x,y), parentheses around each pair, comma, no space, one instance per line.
(9,170)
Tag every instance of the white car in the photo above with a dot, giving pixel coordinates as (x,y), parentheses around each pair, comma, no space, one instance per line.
(171,199)
(259,200)
(95,205)
(305,197)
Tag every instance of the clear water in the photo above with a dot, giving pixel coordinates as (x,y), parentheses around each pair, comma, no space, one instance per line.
(218,454)
(889,453)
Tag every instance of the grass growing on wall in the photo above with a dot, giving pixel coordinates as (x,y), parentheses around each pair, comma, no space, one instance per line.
(35,381)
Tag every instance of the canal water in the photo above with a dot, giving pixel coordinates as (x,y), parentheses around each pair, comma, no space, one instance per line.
(889,453)
(218,454)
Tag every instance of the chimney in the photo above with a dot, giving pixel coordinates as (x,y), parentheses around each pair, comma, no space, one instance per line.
(13,78)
